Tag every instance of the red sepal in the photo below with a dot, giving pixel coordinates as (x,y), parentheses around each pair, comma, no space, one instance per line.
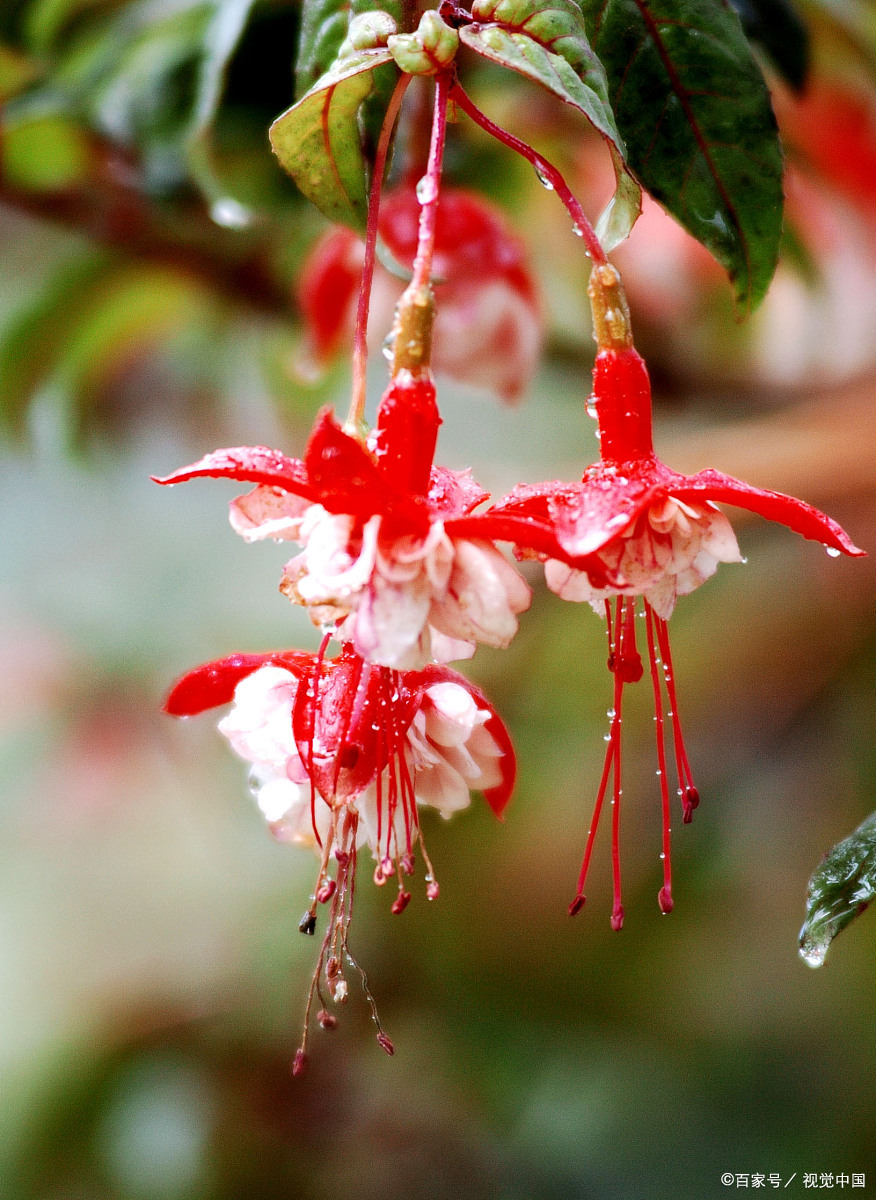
(340,471)
(213,683)
(795,514)
(247,464)
(406,434)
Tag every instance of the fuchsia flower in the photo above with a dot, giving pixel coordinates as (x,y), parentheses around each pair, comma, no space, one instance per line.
(343,753)
(393,554)
(632,528)
(488,328)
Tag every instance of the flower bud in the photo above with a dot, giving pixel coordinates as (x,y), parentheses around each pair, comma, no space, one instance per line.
(432,48)
(368,31)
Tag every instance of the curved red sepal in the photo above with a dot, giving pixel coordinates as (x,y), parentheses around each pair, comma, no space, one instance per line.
(795,514)
(453,494)
(247,464)
(498,796)
(341,472)
(213,683)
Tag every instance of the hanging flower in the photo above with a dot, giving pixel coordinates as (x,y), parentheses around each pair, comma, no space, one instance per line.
(343,754)
(488,329)
(393,555)
(634,528)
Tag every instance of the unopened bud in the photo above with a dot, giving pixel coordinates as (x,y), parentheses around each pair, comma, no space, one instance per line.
(368,31)
(432,48)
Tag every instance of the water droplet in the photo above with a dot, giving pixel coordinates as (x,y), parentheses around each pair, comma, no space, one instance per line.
(813,951)
(543,179)
(662,855)
(230,215)
(577,230)
(834,553)
(427,190)
(591,410)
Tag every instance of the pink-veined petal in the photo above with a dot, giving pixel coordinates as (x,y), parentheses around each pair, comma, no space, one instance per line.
(497,797)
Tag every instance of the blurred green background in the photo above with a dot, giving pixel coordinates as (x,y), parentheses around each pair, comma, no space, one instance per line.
(151,974)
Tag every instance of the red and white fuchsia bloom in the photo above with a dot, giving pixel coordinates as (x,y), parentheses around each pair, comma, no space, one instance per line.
(632,528)
(488,328)
(343,754)
(393,556)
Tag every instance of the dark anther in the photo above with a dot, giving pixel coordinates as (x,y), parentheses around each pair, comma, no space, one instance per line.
(576,905)
(453,14)
(385,1044)
(401,902)
(307,924)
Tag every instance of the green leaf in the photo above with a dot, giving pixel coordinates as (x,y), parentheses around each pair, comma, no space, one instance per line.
(700,133)
(550,47)
(221,39)
(44,153)
(318,140)
(840,889)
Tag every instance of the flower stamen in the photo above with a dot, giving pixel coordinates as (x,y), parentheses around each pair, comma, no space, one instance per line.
(690,796)
(664,896)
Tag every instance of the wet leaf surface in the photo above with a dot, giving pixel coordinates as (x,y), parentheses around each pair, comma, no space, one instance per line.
(840,889)
(694,111)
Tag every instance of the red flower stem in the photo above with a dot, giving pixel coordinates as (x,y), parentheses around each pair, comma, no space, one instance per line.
(360,346)
(545,169)
(422,271)
(665,895)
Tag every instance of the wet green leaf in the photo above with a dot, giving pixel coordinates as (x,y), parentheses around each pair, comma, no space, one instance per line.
(700,133)
(318,140)
(840,889)
(221,39)
(550,47)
